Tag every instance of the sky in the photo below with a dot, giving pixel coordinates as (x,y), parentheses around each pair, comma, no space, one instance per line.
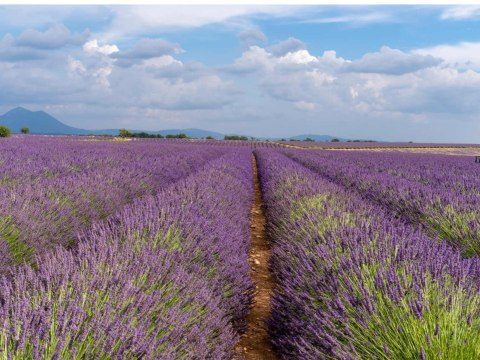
(393,73)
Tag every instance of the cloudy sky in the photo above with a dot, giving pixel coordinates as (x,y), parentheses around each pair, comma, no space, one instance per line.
(387,73)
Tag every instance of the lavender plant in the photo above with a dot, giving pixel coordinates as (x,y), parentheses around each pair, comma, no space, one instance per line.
(353,282)
(165,278)
(46,203)
(448,212)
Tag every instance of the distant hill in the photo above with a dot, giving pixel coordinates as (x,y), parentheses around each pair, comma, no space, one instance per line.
(40,122)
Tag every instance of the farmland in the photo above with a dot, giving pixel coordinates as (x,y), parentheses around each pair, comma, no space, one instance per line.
(163,249)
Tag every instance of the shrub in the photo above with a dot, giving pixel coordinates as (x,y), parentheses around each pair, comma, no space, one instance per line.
(25,130)
(235,137)
(5,131)
(124,133)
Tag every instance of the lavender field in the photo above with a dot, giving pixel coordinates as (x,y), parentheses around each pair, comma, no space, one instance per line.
(143,249)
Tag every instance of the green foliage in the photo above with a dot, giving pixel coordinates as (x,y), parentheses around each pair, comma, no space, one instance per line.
(177,136)
(335,140)
(446,331)
(145,135)
(308,139)
(8,231)
(235,137)
(5,131)
(124,133)
(25,130)
(210,137)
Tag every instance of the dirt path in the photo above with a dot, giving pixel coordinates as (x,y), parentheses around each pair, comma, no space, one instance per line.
(255,343)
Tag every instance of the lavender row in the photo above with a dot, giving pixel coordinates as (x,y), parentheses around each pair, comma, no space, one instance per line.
(355,283)
(166,278)
(31,159)
(252,144)
(34,218)
(453,173)
(374,145)
(444,214)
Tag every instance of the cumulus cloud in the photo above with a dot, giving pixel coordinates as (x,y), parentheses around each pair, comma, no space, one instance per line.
(465,55)
(55,37)
(252,60)
(392,61)
(9,52)
(92,47)
(297,57)
(251,37)
(290,45)
(36,45)
(389,81)
(145,49)
(76,66)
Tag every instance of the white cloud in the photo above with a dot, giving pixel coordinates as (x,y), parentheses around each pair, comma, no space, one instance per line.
(387,82)
(355,19)
(92,47)
(254,59)
(101,75)
(130,20)
(465,55)
(55,37)
(76,66)
(284,47)
(297,57)
(251,37)
(392,61)
(162,61)
(461,12)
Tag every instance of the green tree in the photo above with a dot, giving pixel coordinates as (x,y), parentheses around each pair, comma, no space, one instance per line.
(335,140)
(308,139)
(235,137)
(124,133)
(5,131)
(25,130)
(177,136)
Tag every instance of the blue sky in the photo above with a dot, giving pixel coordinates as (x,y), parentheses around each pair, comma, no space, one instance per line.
(379,72)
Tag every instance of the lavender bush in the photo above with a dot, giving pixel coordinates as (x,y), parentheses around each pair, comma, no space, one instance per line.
(165,278)
(53,189)
(446,211)
(353,282)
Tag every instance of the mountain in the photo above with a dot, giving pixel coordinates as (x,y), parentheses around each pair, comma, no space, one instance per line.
(39,122)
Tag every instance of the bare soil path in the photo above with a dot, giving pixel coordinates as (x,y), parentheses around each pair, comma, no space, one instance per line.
(255,343)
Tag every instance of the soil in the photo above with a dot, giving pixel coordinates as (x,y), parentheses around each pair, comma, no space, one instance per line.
(255,343)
